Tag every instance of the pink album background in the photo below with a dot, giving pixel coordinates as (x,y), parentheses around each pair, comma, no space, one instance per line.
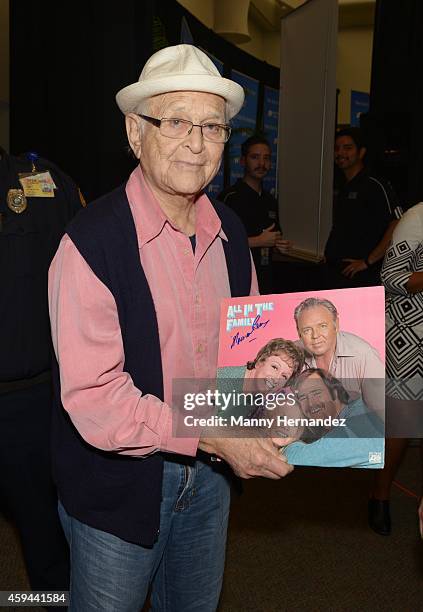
(361,312)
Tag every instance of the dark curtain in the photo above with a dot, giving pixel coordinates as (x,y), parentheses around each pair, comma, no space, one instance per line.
(394,125)
(68,60)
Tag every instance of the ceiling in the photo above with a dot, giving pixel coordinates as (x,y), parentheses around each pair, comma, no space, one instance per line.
(352,13)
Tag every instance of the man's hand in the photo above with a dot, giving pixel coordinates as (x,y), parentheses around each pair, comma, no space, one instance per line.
(267,238)
(355,265)
(284,246)
(249,457)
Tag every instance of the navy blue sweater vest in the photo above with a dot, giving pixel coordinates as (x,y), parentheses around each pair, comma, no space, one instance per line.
(115,493)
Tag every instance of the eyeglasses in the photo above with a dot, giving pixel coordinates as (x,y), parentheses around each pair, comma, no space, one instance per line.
(181,128)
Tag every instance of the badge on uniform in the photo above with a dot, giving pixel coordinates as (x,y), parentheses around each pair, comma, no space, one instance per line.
(16,200)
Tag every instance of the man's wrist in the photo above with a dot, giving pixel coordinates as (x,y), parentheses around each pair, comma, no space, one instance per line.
(254,242)
(207,445)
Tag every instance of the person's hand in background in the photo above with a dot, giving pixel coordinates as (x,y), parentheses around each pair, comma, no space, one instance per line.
(284,246)
(268,238)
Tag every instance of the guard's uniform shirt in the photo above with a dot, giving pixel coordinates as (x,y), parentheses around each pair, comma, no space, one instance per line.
(28,241)
(257,211)
(362,211)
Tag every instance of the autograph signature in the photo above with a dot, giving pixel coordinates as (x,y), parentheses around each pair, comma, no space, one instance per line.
(238,338)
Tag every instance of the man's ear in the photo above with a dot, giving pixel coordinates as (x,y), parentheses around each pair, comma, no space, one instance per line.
(242,160)
(337,324)
(133,131)
(362,152)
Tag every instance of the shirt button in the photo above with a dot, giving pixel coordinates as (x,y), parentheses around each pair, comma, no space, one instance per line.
(187,251)
(197,299)
(200,348)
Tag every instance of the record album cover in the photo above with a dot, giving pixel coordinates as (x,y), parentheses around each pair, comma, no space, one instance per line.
(306,369)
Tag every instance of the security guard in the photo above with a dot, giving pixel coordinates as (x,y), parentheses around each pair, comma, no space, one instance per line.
(37,200)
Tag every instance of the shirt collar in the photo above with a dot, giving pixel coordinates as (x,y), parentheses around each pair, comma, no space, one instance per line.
(150,219)
(248,189)
(357,178)
(342,349)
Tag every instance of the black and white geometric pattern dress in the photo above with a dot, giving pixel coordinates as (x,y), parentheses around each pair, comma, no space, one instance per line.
(404,311)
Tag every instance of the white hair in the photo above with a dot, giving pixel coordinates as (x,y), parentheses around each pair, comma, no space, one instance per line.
(144,109)
(311,303)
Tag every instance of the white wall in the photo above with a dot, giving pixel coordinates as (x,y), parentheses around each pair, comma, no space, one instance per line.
(202,9)
(255,46)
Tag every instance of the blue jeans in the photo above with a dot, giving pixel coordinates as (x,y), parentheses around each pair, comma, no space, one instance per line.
(185,565)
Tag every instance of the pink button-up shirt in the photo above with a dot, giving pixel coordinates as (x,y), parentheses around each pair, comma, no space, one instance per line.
(108,410)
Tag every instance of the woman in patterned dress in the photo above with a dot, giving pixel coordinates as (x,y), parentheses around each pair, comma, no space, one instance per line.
(402,275)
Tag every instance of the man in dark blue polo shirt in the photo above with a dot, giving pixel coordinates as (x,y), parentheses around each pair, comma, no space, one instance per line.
(257,209)
(365,212)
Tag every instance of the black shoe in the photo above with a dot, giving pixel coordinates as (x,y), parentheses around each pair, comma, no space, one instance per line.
(379,516)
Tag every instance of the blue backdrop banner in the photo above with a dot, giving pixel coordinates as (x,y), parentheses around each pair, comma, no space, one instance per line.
(244,124)
(216,186)
(270,128)
(360,101)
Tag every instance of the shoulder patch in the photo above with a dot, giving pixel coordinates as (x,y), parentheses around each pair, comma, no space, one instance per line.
(81,198)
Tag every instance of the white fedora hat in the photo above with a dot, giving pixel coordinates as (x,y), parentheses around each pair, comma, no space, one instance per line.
(180,68)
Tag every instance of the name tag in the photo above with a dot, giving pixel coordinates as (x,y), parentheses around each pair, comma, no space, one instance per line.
(39,185)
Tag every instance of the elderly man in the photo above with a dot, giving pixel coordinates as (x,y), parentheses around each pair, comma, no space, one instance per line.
(344,355)
(136,283)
